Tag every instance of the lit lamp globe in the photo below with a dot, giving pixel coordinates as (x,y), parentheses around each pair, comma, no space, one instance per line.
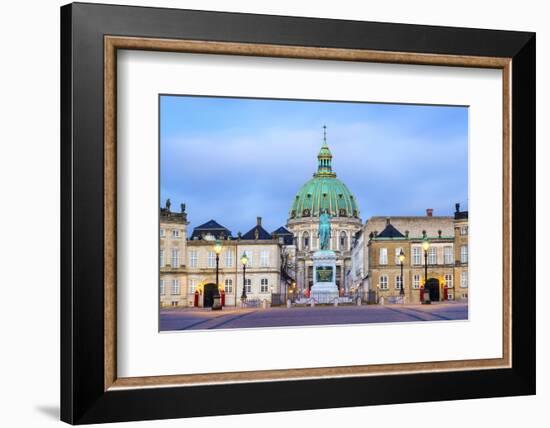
(402,256)
(218,247)
(425,244)
(244,259)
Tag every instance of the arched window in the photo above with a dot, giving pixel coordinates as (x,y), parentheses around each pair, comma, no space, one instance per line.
(305,241)
(343,241)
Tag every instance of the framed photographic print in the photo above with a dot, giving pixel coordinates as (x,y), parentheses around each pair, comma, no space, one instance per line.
(292,213)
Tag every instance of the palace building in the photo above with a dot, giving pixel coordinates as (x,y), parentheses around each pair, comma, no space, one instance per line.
(324,191)
(440,242)
(188,266)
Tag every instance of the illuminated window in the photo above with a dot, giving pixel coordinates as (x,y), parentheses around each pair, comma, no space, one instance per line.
(432,256)
(464,254)
(175,286)
(193,258)
(383,257)
(264,258)
(464,279)
(228,285)
(417,255)
(175,257)
(229,258)
(211,259)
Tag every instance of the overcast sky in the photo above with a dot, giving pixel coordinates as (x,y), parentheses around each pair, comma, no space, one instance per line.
(232,159)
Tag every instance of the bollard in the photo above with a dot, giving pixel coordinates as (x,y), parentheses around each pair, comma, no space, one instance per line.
(288,303)
(312,303)
(264,304)
(336,302)
(358,301)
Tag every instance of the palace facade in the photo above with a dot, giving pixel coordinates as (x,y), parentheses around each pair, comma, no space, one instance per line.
(377,266)
(188,265)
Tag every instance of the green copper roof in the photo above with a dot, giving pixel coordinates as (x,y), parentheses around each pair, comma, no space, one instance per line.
(324,192)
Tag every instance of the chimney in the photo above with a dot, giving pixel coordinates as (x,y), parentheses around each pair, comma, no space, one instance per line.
(407,234)
(387,221)
(429,212)
(258,221)
(457,207)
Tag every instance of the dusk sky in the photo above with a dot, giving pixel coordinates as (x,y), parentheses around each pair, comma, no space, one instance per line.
(233,159)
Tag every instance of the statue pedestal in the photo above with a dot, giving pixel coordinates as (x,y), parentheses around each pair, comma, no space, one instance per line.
(324,288)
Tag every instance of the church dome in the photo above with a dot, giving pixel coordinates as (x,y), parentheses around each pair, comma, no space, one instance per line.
(324,192)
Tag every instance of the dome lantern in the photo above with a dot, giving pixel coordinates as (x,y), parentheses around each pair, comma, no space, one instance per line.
(324,158)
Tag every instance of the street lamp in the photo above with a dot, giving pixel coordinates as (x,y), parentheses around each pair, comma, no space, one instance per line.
(401,260)
(425,247)
(244,261)
(217,249)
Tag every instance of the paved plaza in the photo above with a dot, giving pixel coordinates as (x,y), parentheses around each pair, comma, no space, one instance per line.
(207,319)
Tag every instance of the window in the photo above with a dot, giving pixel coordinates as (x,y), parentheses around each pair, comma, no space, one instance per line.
(417,256)
(343,241)
(464,230)
(464,254)
(193,258)
(175,257)
(416,281)
(398,282)
(264,258)
(211,259)
(448,255)
(161,258)
(263,285)
(175,286)
(174,303)
(229,258)
(383,282)
(450,296)
(249,255)
(397,252)
(432,256)
(464,279)
(305,241)
(175,233)
(162,288)
(383,260)
(228,285)
(162,233)
(449,280)
(248,283)
(192,285)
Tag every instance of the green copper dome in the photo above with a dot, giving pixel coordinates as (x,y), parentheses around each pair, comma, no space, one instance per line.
(324,192)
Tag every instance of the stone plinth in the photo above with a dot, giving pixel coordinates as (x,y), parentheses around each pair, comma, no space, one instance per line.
(324,289)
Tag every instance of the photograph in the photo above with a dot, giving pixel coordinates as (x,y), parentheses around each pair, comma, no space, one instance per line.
(295,213)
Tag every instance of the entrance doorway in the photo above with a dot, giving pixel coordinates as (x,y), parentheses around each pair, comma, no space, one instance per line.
(432,287)
(210,290)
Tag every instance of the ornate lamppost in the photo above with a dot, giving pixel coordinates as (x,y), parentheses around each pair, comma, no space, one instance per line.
(217,249)
(244,261)
(401,260)
(425,247)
